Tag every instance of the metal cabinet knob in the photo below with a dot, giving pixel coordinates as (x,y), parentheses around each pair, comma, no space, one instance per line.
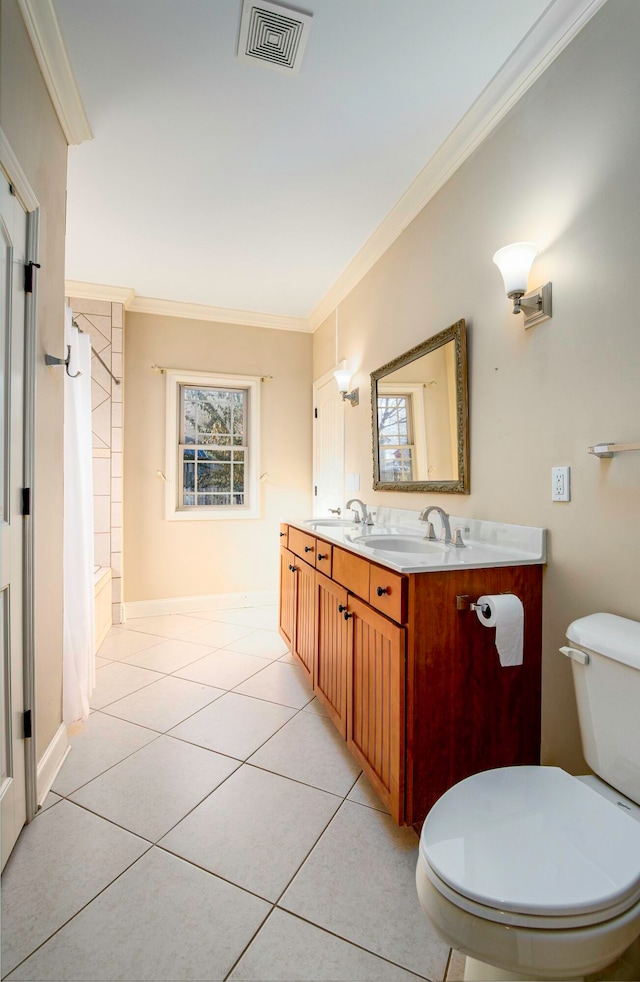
(382,590)
(308,548)
(347,615)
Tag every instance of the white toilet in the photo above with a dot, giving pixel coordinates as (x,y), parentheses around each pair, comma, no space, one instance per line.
(533,873)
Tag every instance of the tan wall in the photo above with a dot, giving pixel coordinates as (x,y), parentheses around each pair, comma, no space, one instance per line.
(31,126)
(189,558)
(561,170)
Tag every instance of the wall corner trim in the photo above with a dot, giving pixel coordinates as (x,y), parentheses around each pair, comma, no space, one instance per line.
(222,315)
(50,50)
(551,33)
(99,291)
(51,762)
(127,296)
(15,174)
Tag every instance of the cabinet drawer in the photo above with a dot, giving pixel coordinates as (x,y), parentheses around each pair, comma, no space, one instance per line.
(351,572)
(388,593)
(284,534)
(302,545)
(323,557)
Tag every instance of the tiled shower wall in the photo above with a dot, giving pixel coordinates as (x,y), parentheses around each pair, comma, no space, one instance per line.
(104,323)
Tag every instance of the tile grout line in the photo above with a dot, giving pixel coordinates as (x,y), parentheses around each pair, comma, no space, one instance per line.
(353,944)
(88,903)
(241,762)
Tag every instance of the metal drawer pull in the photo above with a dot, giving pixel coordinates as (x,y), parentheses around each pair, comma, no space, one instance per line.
(382,590)
(282,533)
(292,568)
(320,556)
(308,548)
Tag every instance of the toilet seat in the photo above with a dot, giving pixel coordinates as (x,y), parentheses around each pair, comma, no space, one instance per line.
(532,846)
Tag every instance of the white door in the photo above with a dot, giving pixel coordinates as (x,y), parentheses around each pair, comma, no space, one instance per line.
(12,339)
(328,448)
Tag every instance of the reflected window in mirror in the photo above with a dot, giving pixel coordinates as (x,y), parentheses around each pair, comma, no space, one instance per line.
(400,416)
(420,417)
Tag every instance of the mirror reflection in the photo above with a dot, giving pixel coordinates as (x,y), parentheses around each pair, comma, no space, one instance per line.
(420,417)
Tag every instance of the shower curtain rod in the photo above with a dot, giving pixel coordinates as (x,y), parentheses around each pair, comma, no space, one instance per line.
(104,365)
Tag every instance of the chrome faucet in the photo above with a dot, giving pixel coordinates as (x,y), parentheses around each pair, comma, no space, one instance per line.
(444,518)
(365,518)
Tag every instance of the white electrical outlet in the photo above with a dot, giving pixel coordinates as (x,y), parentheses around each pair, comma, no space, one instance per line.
(560,486)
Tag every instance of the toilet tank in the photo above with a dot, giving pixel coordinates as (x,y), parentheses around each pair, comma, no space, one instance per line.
(608,695)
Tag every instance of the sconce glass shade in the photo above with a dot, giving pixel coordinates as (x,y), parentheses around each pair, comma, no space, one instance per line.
(514,262)
(343,378)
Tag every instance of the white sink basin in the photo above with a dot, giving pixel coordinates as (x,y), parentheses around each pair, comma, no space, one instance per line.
(400,543)
(328,522)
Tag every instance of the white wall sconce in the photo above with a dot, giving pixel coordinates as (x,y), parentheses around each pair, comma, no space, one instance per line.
(514,262)
(343,379)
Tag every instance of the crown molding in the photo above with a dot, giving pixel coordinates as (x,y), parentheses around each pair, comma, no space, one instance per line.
(225,315)
(176,308)
(51,53)
(15,174)
(99,291)
(551,33)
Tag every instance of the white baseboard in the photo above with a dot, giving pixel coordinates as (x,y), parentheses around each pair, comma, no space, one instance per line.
(51,762)
(186,605)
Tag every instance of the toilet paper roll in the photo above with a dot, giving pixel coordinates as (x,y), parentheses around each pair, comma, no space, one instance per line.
(506,613)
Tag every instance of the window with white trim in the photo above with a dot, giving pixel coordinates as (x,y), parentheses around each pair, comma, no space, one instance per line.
(401,432)
(395,433)
(212,446)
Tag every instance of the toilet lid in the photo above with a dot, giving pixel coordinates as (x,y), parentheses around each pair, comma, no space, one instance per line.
(533,840)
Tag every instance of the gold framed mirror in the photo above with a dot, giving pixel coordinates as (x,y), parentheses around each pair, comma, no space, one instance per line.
(420,417)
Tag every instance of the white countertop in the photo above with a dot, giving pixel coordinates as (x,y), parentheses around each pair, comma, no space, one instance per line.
(487,544)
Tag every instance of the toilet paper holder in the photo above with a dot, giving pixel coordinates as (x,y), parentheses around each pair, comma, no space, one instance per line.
(463,602)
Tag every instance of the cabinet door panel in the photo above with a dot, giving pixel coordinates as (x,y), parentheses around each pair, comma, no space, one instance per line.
(376,703)
(287,596)
(334,633)
(304,642)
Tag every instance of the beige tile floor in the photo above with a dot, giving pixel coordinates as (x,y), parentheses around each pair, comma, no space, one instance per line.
(209,823)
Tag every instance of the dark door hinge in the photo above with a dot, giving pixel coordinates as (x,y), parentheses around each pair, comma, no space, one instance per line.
(315,490)
(12,190)
(26,724)
(28,276)
(315,413)
(26,501)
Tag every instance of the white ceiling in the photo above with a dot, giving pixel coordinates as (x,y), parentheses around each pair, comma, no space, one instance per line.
(215,181)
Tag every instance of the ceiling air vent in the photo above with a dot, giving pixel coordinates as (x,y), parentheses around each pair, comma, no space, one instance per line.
(273,35)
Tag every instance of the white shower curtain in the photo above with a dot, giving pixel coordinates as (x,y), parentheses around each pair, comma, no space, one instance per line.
(78,608)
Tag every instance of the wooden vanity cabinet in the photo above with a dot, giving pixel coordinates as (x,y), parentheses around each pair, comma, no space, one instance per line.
(376,702)
(410,677)
(334,639)
(287,611)
(304,635)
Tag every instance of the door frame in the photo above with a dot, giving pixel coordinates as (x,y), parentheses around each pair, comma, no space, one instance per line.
(24,192)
